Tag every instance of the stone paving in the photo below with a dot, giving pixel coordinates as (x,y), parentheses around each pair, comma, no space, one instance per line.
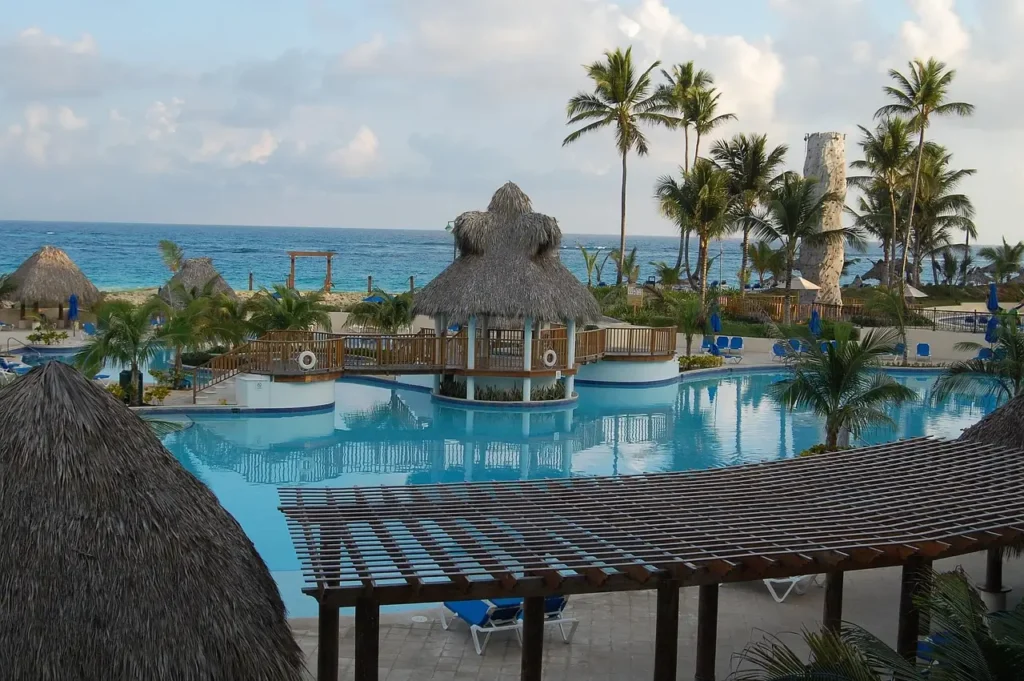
(615,640)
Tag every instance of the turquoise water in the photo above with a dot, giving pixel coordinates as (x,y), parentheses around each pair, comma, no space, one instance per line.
(161,362)
(379,436)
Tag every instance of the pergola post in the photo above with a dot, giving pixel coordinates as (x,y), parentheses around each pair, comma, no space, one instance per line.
(327,280)
(666,632)
(910,616)
(441,336)
(369,283)
(291,272)
(367,639)
(527,357)
(412,285)
(993,593)
(533,638)
(707,632)
(570,359)
(471,358)
(832,617)
(250,280)
(327,639)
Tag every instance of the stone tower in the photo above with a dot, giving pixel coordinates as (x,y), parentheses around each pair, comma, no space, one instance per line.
(826,160)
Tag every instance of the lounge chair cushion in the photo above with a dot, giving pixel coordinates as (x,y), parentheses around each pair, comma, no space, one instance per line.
(482,613)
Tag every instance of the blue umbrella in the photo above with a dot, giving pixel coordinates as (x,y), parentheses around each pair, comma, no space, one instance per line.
(991,330)
(815,324)
(993,299)
(716,323)
(373,299)
(72,308)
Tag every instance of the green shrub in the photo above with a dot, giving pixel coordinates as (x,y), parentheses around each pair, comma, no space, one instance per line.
(745,328)
(821,448)
(699,362)
(47,336)
(457,389)
(156,394)
(194,359)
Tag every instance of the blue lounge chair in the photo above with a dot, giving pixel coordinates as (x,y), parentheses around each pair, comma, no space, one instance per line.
(705,344)
(722,342)
(924,351)
(486,617)
(735,349)
(898,350)
(985,353)
(794,344)
(89,329)
(554,614)
(779,353)
(823,346)
(805,347)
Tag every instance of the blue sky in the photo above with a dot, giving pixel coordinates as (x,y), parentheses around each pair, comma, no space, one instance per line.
(322,112)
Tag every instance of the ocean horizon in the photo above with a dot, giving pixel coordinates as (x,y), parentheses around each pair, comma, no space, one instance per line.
(124,256)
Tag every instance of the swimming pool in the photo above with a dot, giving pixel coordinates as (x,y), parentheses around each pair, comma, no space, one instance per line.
(377,435)
(161,362)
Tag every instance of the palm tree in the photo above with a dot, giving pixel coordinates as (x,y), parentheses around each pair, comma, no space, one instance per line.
(890,304)
(950,267)
(839,384)
(287,309)
(590,262)
(702,200)
(1003,375)
(185,328)
(702,111)
(752,170)
(887,153)
(690,316)
(392,314)
(974,644)
(765,260)
(172,254)
(1005,259)
(680,86)
(923,95)
(668,276)
(623,100)
(125,335)
(628,267)
(228,320)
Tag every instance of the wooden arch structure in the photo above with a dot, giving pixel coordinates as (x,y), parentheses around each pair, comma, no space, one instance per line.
(898,504)
(292,255)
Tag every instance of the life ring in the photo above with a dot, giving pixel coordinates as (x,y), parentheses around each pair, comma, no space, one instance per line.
(307,360)
(550,358)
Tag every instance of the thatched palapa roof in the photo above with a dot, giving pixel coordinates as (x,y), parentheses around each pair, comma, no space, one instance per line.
(508,267)
(50,277)
(1002,427)
(195,275)
(117,563)
(876,272)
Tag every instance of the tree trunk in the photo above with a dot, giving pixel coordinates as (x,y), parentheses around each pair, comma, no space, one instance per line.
(967,251)
(686,257)
(702,263)
(913,203)
(890,248)
(787,316)
(686,151)
(743,259)
(622,223)
(682,246)
(696,148)
(935,271)
(831,436)
(689,344)
(136,394)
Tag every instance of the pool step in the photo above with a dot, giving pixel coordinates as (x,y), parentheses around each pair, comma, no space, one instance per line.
(212,396)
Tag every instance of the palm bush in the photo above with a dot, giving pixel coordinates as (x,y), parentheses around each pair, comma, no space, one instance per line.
(690,316)
(1002,375)
(840,384)
(288,310)
(124,334)
(667,275)
(1004,259)
(890,304)
(392,314)
(766,260)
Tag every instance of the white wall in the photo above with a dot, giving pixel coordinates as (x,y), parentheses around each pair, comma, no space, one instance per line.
(259,392)
(628,372)
(260,433)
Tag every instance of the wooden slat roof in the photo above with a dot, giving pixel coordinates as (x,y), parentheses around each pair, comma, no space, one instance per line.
(869,507)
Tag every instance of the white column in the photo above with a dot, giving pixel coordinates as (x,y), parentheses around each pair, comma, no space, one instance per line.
(570,364)
(471,358)
(527,356)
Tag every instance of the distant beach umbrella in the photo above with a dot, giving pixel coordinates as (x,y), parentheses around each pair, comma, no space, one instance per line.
(815,324)
(716,323)
(49,277)
(993,299)
(73,308)
(992,330)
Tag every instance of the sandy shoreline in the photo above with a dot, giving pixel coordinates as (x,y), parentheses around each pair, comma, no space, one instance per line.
(141,295)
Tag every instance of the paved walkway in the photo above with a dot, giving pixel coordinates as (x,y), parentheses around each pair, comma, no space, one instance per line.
(615,640)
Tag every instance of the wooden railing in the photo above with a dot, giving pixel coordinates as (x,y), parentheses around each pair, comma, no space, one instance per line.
(590,346)
(639,340)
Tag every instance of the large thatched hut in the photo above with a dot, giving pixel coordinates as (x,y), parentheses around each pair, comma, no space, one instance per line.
(117,563)
(49,278)
(196,276)
(508,269)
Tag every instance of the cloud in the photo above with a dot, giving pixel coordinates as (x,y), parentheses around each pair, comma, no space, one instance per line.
(35,65)
(358,157)
(68,119)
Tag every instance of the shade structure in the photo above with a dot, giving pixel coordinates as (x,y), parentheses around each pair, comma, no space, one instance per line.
(801,284)
(876,272)
(50,277)
(73,308)
(911,292)
(196,277)
(992,302)
(814,325)
(117,563)
(992,330)
(508,267)
(1001,428)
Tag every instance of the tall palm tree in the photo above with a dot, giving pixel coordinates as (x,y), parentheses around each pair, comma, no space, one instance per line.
(702,200)
(172,254)
(629,268)
(887,153)
(752,169)
(839,383)
(125,335)
(668,210)
(917,98)
(623,100)
(679,87)
(1002,375)
(392,314)
(766,260)
(1005,259)
(702,110)
(287,309)
(590,262)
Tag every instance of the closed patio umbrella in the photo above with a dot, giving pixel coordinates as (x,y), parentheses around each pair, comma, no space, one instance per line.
(73,308)
(814,325)
(992,330)
(993,299)
(716,323)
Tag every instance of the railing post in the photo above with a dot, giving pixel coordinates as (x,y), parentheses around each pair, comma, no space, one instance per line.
(527,357)
(570,360)
(471,358)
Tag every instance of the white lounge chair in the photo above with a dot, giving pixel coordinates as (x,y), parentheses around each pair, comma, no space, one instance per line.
(790,584)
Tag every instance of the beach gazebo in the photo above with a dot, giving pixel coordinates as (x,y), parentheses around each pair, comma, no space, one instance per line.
(49,278)
(195,275)
(117,563)
(508,269)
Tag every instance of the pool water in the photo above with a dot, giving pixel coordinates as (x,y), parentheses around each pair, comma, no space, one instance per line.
(381,436)
(161,362)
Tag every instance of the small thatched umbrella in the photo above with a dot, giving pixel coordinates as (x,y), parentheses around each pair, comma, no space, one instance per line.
(508,267)
(50,277)
(117,563)
(195,276)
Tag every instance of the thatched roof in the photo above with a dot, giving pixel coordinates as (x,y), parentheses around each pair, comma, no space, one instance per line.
(509,267)
(117,563)
(1002,427)
(195,275)
(50,277)
(876,272)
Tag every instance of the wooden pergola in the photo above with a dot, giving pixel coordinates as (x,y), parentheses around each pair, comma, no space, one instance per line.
(904,503)
(292,255)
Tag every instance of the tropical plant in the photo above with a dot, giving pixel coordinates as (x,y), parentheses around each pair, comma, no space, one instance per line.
(184,329)
(917,98)
(702,111)
(752,169)
(974,644)
(838,382)
(1001,375)
(668,276)
(172,254)
(623,100)
(228,320)
(680,86)
(628,267)
(889,303)
(125,335)
(702,200)
(392,314)
(766,260)
(950,267)
(690,315)
(590,263)
(287,309)
(1005,259)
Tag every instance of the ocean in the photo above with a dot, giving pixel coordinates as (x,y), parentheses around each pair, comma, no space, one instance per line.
(125,256)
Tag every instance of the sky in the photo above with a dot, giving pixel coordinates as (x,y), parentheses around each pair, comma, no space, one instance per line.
(405,113)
